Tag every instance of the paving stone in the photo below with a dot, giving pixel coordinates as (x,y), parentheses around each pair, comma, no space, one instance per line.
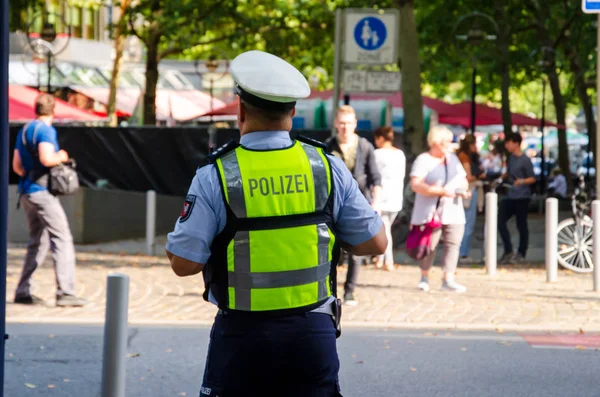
(516,296)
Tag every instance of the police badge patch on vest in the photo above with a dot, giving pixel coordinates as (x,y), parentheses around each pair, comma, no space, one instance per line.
(188,205)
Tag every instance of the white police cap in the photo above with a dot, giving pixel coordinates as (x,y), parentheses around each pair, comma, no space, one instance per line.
(267,81)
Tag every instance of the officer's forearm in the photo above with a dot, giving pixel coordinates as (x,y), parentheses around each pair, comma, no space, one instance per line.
(374,246)
(183,267)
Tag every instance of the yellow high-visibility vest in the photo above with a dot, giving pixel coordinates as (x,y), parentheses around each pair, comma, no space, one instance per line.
(280,247)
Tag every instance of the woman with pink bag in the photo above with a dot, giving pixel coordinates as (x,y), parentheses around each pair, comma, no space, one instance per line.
(439,182)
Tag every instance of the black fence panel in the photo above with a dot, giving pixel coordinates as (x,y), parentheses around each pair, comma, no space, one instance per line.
(142,158)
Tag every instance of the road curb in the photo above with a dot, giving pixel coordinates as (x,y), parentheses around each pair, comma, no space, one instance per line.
(348,324)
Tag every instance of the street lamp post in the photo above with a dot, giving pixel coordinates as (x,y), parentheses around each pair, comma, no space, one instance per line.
(542,127)
(43,44)
(211,65)
(473,95)
(48,34)
(475,35)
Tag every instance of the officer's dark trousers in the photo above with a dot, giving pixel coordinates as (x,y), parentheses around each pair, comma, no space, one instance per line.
(285,356)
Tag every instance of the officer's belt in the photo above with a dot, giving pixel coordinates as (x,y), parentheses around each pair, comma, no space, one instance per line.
(326,308)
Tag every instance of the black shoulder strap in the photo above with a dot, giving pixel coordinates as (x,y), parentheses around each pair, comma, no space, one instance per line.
(312,142)
(226,148)
(31,150)
(24,137)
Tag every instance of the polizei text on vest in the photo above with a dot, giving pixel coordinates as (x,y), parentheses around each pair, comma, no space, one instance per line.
(284,184)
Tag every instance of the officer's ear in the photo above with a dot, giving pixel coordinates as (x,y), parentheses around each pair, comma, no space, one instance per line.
(241,112)
(294,111)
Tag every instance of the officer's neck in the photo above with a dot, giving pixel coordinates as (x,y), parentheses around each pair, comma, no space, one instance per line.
(250,127)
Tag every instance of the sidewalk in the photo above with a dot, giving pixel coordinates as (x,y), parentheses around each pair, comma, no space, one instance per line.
(517,299)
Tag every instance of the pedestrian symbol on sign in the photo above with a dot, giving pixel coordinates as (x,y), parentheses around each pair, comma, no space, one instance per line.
(370,33)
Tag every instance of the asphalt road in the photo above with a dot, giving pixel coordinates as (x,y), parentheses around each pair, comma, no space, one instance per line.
(66,361)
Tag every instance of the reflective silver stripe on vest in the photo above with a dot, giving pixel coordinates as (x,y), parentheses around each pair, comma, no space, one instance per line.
(235,187)
(323,249)
(241,265)
(319,176)
(289,278)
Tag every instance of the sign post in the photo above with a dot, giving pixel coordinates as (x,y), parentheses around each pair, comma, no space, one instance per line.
(4,150)
(593,7)
(368,38)
(337,65)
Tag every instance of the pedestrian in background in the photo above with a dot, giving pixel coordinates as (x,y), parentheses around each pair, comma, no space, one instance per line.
(519,174)
(439,182)
(35,153)
(557,185)
(359,156)
(469,158)
(391,163)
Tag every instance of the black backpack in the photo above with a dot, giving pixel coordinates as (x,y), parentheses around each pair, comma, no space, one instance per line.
(60,180)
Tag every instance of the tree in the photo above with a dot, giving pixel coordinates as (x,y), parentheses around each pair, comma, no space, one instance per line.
(19,10)
(119,38)
(408,51)
(552,39)
(580,51)
(169,27)
(503,42)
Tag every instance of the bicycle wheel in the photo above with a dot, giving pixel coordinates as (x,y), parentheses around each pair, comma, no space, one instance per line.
(575,245)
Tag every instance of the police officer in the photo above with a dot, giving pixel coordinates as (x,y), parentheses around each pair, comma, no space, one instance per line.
(263,223)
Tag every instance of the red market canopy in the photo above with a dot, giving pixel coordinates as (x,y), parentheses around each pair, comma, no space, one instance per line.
(395,99)
(21,100)
(228,110)
(460,114)
(180,104)
(452,114)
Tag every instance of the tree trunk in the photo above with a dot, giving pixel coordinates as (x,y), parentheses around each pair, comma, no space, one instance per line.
(408,53)
(585,100)
(151,76)
(559,105)
(559,101)
(504,60)
(114,79)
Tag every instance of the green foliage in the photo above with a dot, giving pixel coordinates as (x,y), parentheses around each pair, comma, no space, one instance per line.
(447,60)
(174,26)
(18,10)
(302,31)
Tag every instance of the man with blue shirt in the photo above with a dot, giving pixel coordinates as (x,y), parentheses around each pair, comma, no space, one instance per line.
(263,223)
(35,153)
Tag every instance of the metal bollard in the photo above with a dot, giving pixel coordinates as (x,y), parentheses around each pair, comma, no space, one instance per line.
(551,240)
(491,232)
(150,221)
(115,336)
(596,242)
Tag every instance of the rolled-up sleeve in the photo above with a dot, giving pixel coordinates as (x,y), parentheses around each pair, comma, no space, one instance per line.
(356,221)
(205,218)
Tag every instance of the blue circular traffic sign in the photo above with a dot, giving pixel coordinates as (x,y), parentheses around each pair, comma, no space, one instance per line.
(370,33)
